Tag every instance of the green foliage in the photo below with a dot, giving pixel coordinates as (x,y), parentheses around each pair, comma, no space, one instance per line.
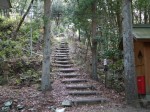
(116,83)
(29,76)
(17,81)
(3,80)
(26,78)
(141,4)
(26,30)
(116,78)
(6,27)
(112,54)
(10,49)
(117,66)
(20,71)
(25,33)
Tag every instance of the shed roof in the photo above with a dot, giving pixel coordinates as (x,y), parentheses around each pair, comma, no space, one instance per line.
(5,4)
(141,31)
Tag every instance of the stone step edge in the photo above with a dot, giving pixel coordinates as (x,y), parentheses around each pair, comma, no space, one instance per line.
(59,50)
(62,65)
(73,80)
(83,93)
(61,53)
(80,87)
(81,101)
(69,75)
(89,101)
(66,70)
(66,56)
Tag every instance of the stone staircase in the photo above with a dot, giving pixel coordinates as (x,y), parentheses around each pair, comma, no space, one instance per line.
(78,88)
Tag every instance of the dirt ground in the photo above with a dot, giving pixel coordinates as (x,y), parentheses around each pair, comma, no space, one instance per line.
(37,101)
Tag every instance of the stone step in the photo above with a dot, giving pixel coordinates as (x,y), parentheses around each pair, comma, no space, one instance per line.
(61,49)
(73,80)
(64,51)
(79,101)
(63,46)
(63,66)
(64,43)
(69,75)
(62,59)
(80,87)
(83,93)
(59,56)
(67,70)
(62,54)
(63,62)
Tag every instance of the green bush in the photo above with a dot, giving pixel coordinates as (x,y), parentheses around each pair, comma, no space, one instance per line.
(112,54)
(6,27)
(3,80)
(116,77)
(10,49)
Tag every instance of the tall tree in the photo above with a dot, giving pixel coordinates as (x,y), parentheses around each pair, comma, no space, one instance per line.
(129,64)
(46,51)
(94,42)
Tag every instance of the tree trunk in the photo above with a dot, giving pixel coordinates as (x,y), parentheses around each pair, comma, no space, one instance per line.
(22,19)
(118,14)
(129,64)
(79,38)
(145,16)
(46,54)
(94,43)
(94,61)
(149,15)
(140,17)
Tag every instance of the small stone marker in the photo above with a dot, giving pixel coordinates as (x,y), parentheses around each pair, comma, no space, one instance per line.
(8,103)
(5,109)
(20,107)
(60,110)
(105,65)
(105,62)
(67,103)
(52,108)
(7,106)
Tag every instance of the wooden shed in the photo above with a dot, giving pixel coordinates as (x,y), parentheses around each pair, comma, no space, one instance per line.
(142,56)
